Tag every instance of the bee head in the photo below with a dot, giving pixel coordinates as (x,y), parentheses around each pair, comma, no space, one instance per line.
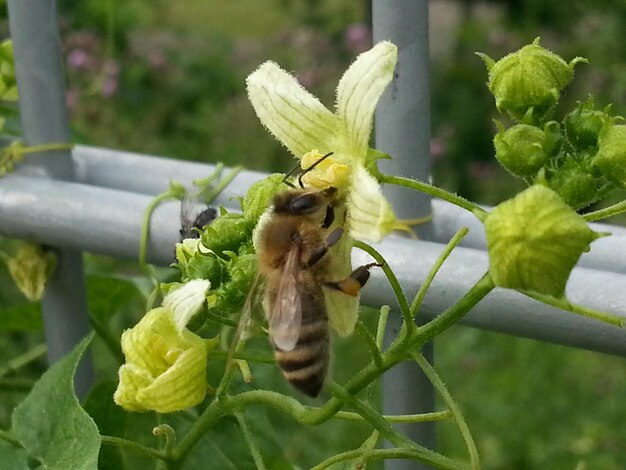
(299,202)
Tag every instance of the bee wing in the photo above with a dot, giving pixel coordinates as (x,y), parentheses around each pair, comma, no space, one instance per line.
(286,315)
(241,333)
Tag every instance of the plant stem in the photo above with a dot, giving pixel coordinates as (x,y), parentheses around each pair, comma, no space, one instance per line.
(610,211)
(564,304)
(114,441)
(145,225)
(17,384)
(20,361)
(388,432)
(455,312)
(247,435)
(378,454)
(5,436)
(415,418)
(393,281)
(434,378)
(434,191)
(370,342)
(421,293)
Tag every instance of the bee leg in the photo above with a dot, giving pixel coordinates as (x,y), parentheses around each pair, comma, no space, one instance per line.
(319,252)
(352,284)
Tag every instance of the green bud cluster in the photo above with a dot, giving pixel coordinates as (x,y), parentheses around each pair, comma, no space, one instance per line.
(224,253)
(582,157)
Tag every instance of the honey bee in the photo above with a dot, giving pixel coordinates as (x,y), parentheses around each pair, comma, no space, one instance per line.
(293,252)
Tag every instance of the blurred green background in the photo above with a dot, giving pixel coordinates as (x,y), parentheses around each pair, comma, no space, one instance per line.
(167,78)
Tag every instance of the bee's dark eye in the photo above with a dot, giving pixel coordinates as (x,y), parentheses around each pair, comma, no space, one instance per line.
(304,203)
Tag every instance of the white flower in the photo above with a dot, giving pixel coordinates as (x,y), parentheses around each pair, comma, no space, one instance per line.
(309,130)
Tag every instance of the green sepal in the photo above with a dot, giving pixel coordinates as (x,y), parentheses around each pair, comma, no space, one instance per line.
(534,240)
(259,196)
(611,157)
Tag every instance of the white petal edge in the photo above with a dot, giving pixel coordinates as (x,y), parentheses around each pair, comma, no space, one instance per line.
(293,115)
(370,216)
(186,301)
(360,89)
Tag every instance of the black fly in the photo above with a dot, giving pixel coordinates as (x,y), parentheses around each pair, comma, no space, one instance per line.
(190,225)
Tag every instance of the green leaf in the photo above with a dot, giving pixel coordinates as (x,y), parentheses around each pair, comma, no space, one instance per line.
(108,295)
(12,458)
(110,419)
(50,423)
(23,317)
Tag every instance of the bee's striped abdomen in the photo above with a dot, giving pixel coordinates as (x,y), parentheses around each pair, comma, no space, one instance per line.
(306,366)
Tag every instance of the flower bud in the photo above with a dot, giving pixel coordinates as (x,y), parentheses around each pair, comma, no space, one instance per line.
(534,240)
(522,149)
(195,261)
(226,233)
(165,369)
(574,182)
(31,268)
(260,195)
(232,294)
(611,156)
(529,80)
(583,125)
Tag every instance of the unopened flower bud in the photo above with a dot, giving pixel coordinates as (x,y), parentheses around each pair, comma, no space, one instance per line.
(260,195)
(522,149)
(534,240)
(583,125)
(574,182)
(31,268)
(195,261)
(611,156)
(226,233)
(232,294)
(529,80)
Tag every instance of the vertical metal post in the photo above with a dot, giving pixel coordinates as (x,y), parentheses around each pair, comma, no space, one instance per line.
(40,81)
(403,131)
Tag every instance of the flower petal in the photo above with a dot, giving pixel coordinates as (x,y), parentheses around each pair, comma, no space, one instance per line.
(185,301)
(359,90)
(370,216)
(293,115)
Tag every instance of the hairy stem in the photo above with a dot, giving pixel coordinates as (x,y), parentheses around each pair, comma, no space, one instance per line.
(434,191)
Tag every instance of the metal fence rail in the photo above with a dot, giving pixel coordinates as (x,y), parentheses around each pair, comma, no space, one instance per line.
(88,217)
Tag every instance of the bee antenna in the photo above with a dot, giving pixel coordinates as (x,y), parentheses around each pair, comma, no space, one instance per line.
(291,172)
(306,170)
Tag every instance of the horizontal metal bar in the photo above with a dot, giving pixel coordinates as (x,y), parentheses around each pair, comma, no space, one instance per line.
(107,221)
(151,175)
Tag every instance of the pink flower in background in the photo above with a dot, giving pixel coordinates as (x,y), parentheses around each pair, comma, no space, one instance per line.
(78,59)
(437,148)
(358,38)
(157,60)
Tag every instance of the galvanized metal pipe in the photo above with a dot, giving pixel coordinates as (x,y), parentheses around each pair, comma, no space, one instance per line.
(403,131)
(100,220)
(150,175)
(40,80)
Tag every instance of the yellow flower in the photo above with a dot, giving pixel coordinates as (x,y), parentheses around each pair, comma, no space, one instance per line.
(309,130)
(165,369)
